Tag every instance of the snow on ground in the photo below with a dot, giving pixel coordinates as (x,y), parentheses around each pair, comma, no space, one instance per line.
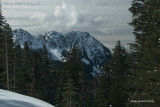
(11,99)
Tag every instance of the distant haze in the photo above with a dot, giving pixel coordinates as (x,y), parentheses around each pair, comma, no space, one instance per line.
(104,19)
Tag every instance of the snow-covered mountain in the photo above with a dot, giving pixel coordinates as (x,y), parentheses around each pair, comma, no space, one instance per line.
(94,53)
(11,99)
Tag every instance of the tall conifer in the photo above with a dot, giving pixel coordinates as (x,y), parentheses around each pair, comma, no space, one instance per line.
(146,51)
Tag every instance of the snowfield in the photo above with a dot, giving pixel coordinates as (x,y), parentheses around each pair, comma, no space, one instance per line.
(11,99)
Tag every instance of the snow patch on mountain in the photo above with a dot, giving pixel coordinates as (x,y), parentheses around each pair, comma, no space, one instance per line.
(96,70)
(20,36)
(57,54)
(86,61)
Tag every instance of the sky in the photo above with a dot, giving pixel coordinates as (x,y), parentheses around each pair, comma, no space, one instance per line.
(106,20)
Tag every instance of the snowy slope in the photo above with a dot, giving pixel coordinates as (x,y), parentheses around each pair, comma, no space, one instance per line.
(93,52)
(11,99)
(20,36)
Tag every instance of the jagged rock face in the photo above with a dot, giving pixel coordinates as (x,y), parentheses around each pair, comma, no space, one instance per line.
(54,40)
(93,51)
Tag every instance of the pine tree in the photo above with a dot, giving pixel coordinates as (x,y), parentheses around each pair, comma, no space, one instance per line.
(73,92)
(9,56)
(85,91)
(102,86)
(60,85)
(6,46)
(119,68)
(8,53)
(18,67)
(146,24)
(27,74)
(44,72)
(36,67)
(110,86)
(2,53)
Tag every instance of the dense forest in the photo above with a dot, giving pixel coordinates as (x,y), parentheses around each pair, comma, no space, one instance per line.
(131,78)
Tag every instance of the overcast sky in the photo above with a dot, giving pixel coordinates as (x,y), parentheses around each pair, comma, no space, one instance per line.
(104,19)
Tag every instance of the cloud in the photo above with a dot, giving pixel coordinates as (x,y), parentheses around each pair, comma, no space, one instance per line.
(97,19)
(59,8)
(102,18)
(73,16)
(38,15)
(66,15)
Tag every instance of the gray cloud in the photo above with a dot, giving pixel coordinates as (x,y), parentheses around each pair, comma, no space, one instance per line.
(105,19)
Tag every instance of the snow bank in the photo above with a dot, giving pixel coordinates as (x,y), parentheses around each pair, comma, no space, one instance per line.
(11,99)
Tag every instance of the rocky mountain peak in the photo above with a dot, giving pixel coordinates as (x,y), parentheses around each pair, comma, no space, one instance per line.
(93,51)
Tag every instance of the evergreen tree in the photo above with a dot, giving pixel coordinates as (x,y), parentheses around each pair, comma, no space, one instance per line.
(27,74)
(36,67)
(2,54)
(146,51)
(60,85)
(44,72)
(7,53)
(2,50)
(74,80)
(84,87)
(6,46)
(119,66)
(45,75)
(103,83)
(18,68)
(110,86)
(9,56)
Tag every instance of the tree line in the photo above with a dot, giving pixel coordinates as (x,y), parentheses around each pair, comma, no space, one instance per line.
(128,79)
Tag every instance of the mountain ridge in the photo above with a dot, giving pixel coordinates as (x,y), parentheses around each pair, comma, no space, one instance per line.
(93,51)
